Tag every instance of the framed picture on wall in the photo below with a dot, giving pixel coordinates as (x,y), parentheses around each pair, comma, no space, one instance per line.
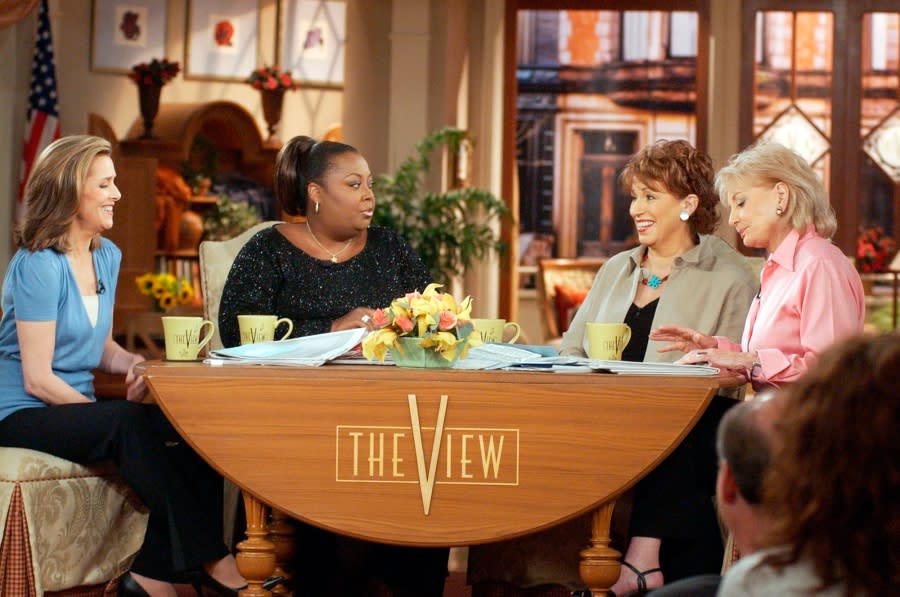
(221,39)
(125,33)
(311,37)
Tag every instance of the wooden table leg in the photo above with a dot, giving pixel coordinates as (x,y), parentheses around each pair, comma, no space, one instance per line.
(256,554)
(281,534)
(600,563)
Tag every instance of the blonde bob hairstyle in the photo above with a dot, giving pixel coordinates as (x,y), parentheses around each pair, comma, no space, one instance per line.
(53,192)
(766,164)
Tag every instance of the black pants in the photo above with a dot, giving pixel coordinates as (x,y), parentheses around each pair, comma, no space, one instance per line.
(330,565)
(675,502)
(182,492)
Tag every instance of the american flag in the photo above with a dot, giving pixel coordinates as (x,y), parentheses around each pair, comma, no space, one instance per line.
(42,127)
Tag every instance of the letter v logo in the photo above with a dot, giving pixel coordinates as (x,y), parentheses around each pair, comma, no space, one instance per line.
(426,480)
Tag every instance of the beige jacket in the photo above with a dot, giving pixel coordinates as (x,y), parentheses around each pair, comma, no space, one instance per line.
(710,290)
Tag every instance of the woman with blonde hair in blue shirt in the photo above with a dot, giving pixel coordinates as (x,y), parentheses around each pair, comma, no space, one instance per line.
(57,299)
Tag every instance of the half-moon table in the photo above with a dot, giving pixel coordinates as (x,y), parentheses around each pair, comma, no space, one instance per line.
(426,457)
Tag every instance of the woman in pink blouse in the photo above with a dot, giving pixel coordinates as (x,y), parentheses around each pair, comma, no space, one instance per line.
(810,296)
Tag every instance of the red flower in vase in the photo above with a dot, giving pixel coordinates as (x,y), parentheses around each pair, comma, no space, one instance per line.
(874,250)
(272,77)
(155,73)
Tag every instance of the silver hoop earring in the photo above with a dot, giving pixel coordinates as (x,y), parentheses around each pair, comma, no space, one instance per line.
(317,207)
(684,215)
(779,211)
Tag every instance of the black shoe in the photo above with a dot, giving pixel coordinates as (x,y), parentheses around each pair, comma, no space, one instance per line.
(128,587)
(201,579)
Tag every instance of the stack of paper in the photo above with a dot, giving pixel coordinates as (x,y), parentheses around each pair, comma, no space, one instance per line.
(631,368)
(495,356)
(309,351)
(582,365)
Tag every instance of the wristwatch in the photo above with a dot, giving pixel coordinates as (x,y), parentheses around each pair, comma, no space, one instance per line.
(756,365)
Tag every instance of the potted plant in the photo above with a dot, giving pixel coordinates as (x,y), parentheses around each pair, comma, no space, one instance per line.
(449,230)
(227,218)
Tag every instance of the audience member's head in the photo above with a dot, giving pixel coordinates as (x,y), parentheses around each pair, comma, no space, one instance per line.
(835,473)
(743,444)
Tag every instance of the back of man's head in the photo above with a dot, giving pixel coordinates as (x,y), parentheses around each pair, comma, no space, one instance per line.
(743,442)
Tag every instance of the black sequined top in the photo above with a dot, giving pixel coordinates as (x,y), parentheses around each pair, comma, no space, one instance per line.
(272,276)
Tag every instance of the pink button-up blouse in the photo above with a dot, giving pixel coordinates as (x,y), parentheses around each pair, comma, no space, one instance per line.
(810,297)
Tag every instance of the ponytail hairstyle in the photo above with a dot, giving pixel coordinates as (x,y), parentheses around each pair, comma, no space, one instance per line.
(300,162)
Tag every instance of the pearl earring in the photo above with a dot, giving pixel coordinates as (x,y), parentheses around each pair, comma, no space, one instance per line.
(317,207)
(684,215)
(779,211)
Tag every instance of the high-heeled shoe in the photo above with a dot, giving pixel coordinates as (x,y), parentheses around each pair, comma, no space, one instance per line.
(201,579)
(128,587)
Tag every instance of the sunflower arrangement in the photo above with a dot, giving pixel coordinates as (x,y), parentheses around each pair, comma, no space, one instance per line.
(166,290)
(435,317)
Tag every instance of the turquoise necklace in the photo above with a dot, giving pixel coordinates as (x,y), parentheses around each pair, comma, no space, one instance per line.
(648,279)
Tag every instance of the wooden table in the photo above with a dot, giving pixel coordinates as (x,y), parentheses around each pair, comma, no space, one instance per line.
(427,457)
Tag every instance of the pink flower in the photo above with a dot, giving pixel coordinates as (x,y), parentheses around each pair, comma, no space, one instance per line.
(379,319)
(404,323)
(447,321)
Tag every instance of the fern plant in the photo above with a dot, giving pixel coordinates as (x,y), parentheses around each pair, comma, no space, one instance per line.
(449,230)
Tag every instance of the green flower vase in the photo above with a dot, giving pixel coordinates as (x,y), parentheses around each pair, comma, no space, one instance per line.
(411,354)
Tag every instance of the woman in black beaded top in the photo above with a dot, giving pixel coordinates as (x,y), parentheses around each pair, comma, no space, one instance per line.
(332,271)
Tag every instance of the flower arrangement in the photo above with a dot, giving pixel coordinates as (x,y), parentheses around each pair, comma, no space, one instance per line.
(166,290)
(874,250)
(272,77)
(435,317)
(156,73)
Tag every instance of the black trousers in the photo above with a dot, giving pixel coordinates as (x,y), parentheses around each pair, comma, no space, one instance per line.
(675,502)
(182,493)
(331,565)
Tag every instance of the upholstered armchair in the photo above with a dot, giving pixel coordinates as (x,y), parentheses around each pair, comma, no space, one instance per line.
(562,286)
(66,528)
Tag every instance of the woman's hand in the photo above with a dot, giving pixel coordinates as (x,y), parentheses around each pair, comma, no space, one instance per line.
(360,317)
(731,364)
(136,388)
(682,339)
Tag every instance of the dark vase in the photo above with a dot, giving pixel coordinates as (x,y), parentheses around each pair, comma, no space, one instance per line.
(272,100)
(148,96)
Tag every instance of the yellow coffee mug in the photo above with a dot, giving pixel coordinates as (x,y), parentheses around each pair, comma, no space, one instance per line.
(261,328)
(606,341)
(183,341)
(493,330)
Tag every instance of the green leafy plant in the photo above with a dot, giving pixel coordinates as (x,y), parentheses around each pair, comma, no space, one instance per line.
(226,219)
(449,230)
